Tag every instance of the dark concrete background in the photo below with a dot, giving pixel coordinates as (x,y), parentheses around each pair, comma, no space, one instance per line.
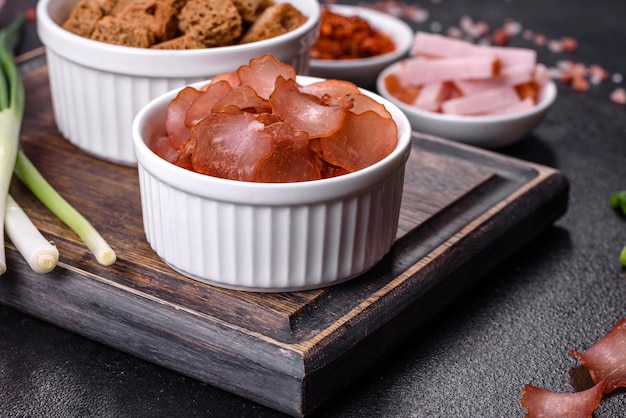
(561,292)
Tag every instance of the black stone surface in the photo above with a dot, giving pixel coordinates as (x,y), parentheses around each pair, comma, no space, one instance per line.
(561,292)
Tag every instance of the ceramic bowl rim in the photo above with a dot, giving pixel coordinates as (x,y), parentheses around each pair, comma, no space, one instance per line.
(402,35)
(81,49)
(273,194)
(547,96)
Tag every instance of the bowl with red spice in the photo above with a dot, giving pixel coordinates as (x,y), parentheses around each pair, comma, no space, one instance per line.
(356,43)
(107,59)
(295,186)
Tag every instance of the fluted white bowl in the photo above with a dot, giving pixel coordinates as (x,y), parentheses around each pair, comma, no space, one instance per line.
(485,131)
(98,88)
(364,71)
(268,236)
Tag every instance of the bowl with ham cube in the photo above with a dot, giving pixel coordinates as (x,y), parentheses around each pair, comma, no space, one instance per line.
(485,96)
(263,180)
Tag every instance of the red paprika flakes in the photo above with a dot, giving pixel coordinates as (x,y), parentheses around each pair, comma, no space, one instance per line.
(348,37)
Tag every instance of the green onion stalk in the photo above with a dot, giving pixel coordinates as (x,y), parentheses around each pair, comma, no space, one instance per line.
(618,202)
(13,159)
(40,254)
(39,186)
(11,113)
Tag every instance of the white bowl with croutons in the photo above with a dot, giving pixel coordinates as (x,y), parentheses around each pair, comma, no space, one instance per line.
(364,69)
(98,87)
(267,236)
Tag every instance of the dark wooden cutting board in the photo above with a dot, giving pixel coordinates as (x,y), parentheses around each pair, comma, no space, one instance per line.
(464,210)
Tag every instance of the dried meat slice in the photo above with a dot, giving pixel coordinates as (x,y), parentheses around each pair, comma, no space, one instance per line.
(329,89)
(230,146)
(606,359)
(184,154)
(291,159)
(177,131)
(244,98)
(161,146)
(542,403)
(304,113)
(230,77)
(203,105)
(363,140)
(331,92)
(362,103)
(260,74)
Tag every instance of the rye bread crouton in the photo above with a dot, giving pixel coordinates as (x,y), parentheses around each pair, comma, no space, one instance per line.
(181,42)
(157,16)
(115,30)
(176,4)
(212,22)
(250,10)
(115,7)
(106,5)
(83,18)
(275,20)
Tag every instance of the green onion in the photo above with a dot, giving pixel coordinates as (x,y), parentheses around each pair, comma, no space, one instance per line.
(13,159)
(618,202)
(39,186)
(11,113)
(38,252)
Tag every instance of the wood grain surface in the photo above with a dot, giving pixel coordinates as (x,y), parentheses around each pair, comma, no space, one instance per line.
(464,210)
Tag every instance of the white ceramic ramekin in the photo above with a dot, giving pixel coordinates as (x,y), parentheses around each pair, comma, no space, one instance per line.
(486,131)
(268,236)
(364,71)
(98,88)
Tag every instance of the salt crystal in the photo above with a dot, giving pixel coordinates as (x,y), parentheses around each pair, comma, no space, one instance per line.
(564,64)
(436,27)
(454,32)
(416,14)
(512,28)
(539,39)
(555,46)
(569,44)
(597,74)
(580,84)
(618,96)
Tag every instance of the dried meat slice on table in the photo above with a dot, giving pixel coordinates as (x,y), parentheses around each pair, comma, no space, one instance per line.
(606,359)
(606,363)
(542,403)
